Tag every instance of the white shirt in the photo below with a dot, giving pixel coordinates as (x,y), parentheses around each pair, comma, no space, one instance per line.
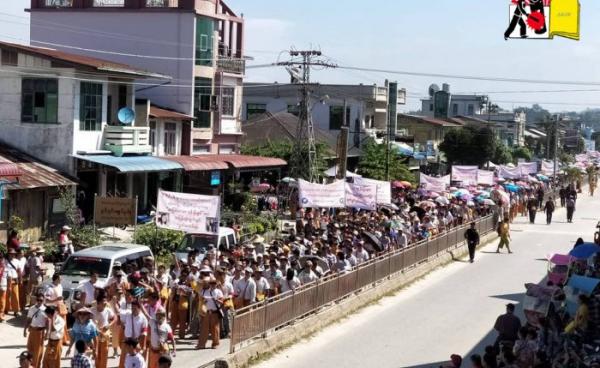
(53,293)
(289,285)
(37,316)
(361,256)
(57,328)
(102,319)
(135,326)
(307,276)
(159,334)
(135,361)
(90,291)
(20,264)
(210,296)
(34,265)
(262,285)
(246,289)
(227,289)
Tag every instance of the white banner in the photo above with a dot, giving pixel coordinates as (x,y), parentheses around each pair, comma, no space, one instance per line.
(384,189)
(192,213)
(528,167)
(485,177)
(321,196)
(465,174)
(548,168)
(434,184)
(362,197)
(506,172)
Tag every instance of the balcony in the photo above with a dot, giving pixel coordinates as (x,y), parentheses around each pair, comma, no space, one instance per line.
(232,65)
(57,3)
(122,140)
(162,3)
(109,3)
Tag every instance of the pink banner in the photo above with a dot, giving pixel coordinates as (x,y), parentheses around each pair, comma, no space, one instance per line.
(506,172)
(548,168)
(485,177)
(528,168)
(363,197)
(434,184)
(384,189)
(465,174)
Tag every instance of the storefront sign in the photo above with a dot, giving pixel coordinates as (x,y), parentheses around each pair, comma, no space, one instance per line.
(115,211)
(362,197)
(192,213)
(321,196)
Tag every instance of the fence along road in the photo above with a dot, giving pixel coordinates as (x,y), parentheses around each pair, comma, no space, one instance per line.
(257,320)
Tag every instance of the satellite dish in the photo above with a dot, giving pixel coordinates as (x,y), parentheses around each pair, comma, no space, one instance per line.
(126,115)
(433,89)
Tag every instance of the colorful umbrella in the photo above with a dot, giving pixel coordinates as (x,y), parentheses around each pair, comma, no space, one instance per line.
(489,202)
(442,200)
(585,250)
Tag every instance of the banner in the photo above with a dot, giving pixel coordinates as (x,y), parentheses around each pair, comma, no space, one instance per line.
(465,174)
(506,172)
(115,211)
(384,189)
(485,177)
(321,196)
(192,213)
(362,197)
(548,168)
(583,157)
(434,184)
(528,168)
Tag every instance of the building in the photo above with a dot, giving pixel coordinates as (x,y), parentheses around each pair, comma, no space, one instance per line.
(443,104)
(361,107)
(509,127)
(427,133)
(198,43)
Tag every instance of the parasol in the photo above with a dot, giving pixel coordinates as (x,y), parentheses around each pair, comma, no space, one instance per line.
(585,250)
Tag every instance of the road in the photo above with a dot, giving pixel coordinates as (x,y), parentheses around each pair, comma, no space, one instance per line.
(451,310)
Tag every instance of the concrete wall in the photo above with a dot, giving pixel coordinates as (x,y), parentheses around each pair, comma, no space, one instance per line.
(170,34)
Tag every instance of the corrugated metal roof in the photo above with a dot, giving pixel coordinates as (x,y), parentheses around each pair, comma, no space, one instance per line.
(9,169)
(157,112)
(133,163)
(34,174)
(245,162)
(86,61)
(199,163)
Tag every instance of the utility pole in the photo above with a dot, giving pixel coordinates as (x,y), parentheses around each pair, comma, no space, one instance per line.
(556,119)
(343,153)
(391,124)
(303,164)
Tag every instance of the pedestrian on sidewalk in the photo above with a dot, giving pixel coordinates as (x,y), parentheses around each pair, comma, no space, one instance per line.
(570,208)
(563,196)
(472,237)
(504,233)
(507,325)
(549,209)
(532,207)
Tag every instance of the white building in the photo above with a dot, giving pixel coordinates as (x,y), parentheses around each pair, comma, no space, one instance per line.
(443,104)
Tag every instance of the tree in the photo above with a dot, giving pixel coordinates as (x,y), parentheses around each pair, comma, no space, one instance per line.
(372,163)
(521,152)
(502,156)
(455,146)
(535,113)
(470,146)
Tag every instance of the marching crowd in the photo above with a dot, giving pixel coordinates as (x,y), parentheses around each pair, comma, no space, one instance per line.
(138,313)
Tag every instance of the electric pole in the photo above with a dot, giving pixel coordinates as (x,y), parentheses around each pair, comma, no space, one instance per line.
(304,156)
(556,119)
(392,123)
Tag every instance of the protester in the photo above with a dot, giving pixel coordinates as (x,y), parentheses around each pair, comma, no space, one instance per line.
(472,236)
(35,329)
(64,243)
(549,209)
(507,326)
(56,331)
(504,233)
(213,297)
(26,360)
(104,318)
(81,360)
(570,208)
(133,357)
(532,207)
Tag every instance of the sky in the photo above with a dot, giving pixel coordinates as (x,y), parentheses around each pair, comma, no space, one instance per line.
(457,37)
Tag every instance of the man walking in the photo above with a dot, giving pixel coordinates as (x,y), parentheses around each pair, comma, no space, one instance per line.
(563,196)
(549,209)
(472,237)
(56,331)
(36,327)
(504,233)
(507,326)
(570,208)
(532,206)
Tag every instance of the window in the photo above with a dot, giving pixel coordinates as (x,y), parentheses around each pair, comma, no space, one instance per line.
(336,117)
(253,109)
(39,100)
(228,101)
(226,149)
(202,96)
(90,102)
(294,109)
(470,110)
(205,28)
(199,148)
(153,135)
(430,107)
(170,139)
(454,109)
(10,57)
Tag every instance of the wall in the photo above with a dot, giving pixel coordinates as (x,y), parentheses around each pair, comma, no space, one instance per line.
(169,34)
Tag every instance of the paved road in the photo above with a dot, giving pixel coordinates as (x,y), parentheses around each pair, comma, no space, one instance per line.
(449,311)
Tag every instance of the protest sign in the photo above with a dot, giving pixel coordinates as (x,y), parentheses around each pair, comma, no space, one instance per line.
(192,213)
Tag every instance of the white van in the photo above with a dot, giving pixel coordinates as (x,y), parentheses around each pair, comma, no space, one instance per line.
(226,240)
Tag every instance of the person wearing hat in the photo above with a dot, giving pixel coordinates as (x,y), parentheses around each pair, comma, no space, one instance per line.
(104,318)
(26,360)
(64,243)
(245,290)
(507,325)
(161,335)
(36,327)
(56,331)
(10,285)
(211,324)
(84,329)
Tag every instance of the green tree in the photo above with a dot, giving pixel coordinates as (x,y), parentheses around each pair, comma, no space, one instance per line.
(372,163)
(161,241)
(521,152)
(469,145)
(502,156)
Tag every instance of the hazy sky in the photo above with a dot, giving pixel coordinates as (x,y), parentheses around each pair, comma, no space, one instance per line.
(459,37)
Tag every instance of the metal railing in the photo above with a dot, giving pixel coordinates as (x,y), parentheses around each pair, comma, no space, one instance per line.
(231,65)
(162,3)
(58,3)
(109,3)
(258,319)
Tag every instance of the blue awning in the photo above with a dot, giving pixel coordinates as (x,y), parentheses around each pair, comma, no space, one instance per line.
(132,163)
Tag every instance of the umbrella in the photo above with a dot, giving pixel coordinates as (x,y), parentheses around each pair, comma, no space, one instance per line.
(288,180)
(453,189)
(470,203)
(398,184)
(374,241)
(406,184)
(484,195)
(442,200)
(467,197)
(263,187)
(426,204)
(512,188)
(433,195)
(489,202)
(315,259)
(585,250)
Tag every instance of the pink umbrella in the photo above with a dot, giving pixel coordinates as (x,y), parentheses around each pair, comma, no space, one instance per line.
(433,195)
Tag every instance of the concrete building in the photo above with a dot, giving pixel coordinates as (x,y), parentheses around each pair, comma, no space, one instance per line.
(443,104)
(198,43)
(509,126)
(365,105)
(426,132)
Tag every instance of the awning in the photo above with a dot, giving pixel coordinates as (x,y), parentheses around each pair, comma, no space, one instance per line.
(129,164)
(24,172)
(9,169)
(247,162)
(199,163)
(157,112)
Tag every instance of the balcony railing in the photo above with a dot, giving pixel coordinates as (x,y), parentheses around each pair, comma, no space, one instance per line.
(109,3)
(162,3)
(58,3)
(232,65)
(121,140)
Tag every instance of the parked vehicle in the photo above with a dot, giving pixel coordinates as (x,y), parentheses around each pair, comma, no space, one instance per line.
(226,240)
(101,259)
